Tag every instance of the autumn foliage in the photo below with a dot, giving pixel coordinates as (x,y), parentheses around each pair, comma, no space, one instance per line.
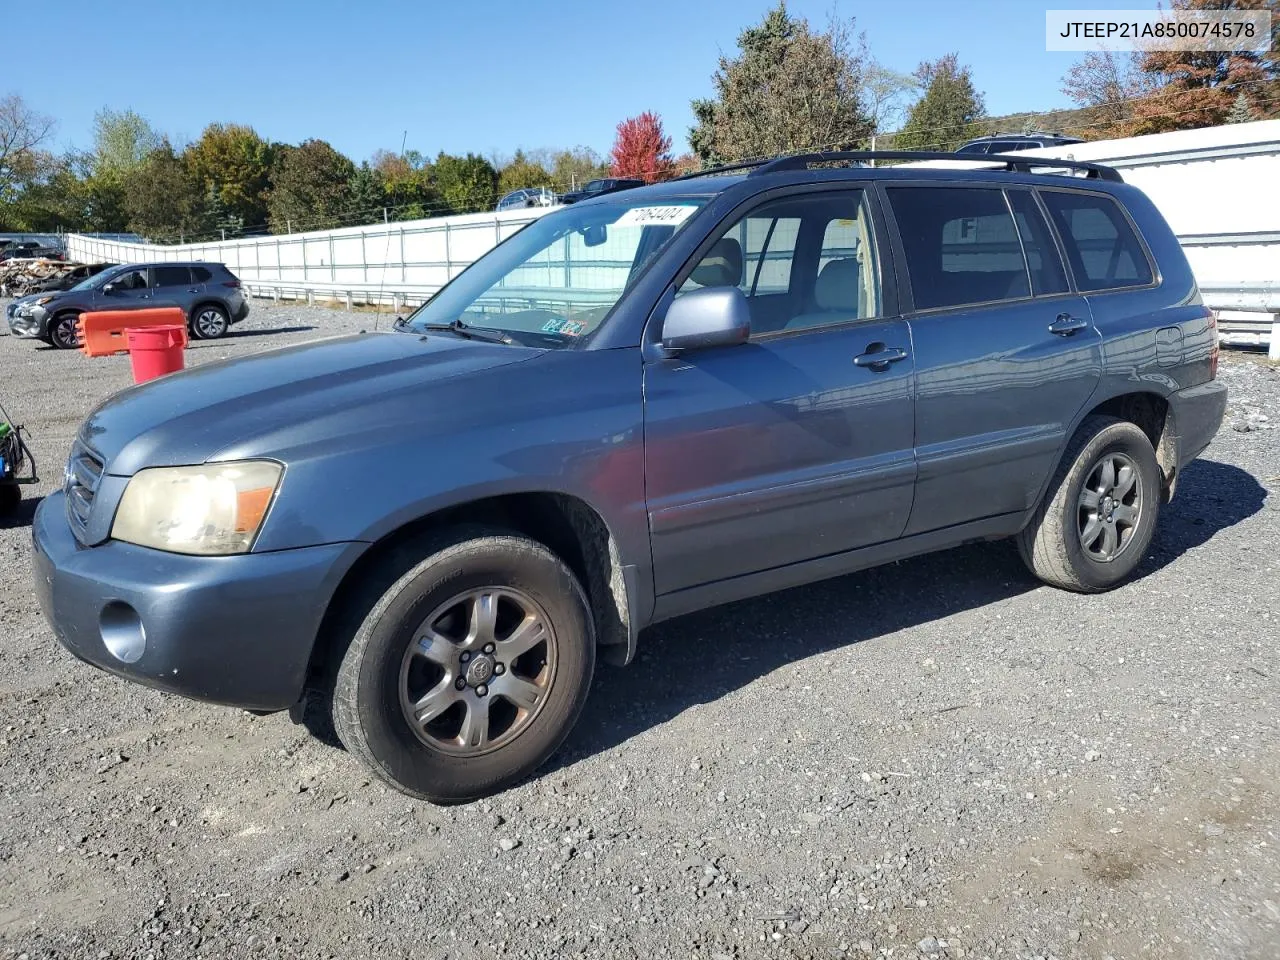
(641,149)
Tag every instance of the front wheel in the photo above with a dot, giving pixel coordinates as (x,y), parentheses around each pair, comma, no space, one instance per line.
(1099,515)
(469,671)
(62,331)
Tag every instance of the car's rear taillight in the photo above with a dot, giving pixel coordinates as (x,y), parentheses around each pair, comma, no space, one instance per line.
(1213,350)
(231,283)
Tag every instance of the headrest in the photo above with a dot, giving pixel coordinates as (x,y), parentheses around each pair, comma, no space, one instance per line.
(722,266)
(838,285)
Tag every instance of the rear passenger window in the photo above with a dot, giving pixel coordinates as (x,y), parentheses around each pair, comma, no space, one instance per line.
(768,248)
(172,276)
(961,245)
(201,275)
(1102,247)
(1047,275)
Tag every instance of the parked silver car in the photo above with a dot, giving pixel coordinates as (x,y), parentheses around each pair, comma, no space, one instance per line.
(529,197)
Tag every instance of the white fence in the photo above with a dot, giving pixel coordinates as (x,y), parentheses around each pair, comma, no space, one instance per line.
(405,261)
(1216,187)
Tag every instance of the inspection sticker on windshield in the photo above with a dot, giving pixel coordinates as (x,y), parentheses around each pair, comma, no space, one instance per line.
(655,216)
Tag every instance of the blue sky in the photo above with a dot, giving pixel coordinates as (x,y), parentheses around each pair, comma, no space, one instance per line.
(485,75)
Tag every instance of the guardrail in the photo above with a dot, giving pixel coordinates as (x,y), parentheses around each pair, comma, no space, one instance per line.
(1248,314)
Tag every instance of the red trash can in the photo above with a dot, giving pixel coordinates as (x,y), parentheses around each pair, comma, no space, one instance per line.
(155,351)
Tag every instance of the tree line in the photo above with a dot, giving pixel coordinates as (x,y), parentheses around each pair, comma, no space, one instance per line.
(789,87)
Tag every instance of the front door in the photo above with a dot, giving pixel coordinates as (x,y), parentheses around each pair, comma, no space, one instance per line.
(129,289)
(798,443)
(1006,356)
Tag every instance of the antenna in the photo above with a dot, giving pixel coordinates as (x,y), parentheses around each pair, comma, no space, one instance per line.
(377,307)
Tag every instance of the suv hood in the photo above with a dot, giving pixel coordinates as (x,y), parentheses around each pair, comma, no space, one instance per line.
(288,403)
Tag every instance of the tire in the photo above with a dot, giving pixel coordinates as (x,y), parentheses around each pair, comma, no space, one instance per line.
(209,322)
(1092,541)
(62,331)
(473,740)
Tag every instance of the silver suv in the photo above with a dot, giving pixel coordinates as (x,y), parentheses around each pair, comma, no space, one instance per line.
(208,293)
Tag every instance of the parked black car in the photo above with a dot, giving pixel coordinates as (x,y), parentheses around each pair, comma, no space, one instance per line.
(208,293)
(598,188)
(31,250)
(1013,142)
(635,407)
(75,275)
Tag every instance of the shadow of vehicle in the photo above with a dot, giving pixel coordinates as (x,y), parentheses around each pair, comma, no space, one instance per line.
(22,515)
(233,333)
(704,656)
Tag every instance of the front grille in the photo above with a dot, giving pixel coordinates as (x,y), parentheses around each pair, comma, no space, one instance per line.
(83,474)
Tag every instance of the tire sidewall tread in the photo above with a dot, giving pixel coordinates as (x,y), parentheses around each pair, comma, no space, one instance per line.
(1050,543)
(368,720)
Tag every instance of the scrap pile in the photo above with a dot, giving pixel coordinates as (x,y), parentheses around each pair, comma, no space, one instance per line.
(21,277)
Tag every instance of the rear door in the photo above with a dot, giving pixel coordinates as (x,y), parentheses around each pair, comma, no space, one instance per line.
(1006,354)
(796,444)
(172,286)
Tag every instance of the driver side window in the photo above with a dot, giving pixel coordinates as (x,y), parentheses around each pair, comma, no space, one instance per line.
(802,261)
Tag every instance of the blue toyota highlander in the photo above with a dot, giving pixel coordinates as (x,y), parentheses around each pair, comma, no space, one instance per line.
(638,406)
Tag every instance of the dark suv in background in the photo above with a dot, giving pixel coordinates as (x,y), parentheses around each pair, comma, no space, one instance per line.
(208,293)
(598,188)
(635,407)
(1013,142)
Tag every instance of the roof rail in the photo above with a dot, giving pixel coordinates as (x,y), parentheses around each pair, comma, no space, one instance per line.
(723,168)
(1013,164)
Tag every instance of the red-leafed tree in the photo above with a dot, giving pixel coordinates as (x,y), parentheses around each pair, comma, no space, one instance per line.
(641,149)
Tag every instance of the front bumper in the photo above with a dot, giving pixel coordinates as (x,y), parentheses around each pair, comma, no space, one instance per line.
(29,324)
(232,630)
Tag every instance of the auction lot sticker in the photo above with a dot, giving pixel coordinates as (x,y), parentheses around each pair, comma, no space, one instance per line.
(655,216)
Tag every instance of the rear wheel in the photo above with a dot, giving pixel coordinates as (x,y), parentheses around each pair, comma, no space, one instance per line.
(62,331)
(1099,515)
(468,671)
(209,322)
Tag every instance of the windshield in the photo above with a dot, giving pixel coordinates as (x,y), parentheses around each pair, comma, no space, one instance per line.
(557,279)
(97,280)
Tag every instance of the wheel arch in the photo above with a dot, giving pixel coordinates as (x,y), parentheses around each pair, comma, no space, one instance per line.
(1153,415)
(565,524)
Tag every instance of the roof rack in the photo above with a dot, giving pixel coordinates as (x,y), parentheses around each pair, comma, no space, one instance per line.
(723,168)
(1012,164)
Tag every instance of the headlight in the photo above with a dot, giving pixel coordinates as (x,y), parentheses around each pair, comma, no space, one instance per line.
(214,509)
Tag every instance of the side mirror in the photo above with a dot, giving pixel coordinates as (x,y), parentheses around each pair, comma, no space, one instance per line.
(710,317)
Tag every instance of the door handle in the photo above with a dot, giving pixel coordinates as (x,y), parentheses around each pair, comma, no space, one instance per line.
(878,356)
(1065,325)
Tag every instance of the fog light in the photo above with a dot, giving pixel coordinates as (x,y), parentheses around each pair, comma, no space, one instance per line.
(122,632)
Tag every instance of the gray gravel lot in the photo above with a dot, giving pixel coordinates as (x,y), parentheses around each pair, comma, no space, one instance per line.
(938,758)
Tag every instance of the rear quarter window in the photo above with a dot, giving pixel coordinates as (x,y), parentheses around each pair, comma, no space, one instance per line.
(1100,243)
(201,275)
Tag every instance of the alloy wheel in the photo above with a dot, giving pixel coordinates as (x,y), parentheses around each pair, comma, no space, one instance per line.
(478,671)
(1110,507)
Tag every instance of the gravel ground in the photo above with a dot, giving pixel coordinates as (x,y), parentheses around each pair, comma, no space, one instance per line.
(939,758)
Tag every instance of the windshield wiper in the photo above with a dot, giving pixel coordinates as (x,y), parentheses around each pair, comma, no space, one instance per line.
(487,334)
